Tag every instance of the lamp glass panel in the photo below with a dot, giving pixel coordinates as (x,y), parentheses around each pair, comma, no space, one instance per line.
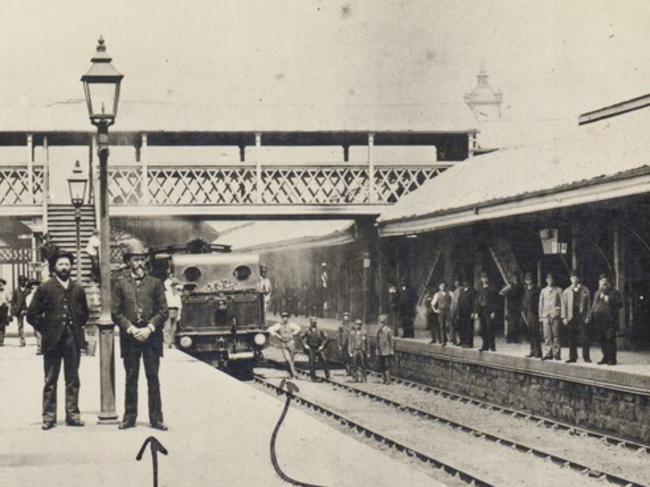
(102,98)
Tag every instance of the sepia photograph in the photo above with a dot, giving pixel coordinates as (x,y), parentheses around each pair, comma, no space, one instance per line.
(324,243)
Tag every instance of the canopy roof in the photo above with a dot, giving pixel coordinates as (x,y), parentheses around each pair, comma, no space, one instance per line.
(594,163)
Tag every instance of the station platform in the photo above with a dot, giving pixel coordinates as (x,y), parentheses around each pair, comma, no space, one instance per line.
(611,399)
(219,434)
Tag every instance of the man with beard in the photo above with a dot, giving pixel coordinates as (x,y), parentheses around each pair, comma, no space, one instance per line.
(485,307)
(139,308)
(59,311)
(604,312)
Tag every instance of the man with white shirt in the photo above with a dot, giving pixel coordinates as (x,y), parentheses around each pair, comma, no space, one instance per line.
(59,312)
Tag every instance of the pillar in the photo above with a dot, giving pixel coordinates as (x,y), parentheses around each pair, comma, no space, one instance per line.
(258,169)
(46,181)
(371,169)
(620,280)
(346,153)
(30,168)
(144,180)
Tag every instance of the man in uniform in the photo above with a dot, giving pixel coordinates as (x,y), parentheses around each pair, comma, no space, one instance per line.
(139,308)
(466,298)
(4,312)
(342,337)
(286,333)
(513,292)
(530,312)
(59,311)
(264,287)
(358,348)
(576,304)
(604,313)
(550,310)
(407,301)
(485,306)
(441,306)
(385,347)
(314,341)
(18,307)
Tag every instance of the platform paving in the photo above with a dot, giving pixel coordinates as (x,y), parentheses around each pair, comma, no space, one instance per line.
(219,432)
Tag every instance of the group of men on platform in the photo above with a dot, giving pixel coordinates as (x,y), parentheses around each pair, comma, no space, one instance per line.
(58,311)
(453,315)
(16,309)
(352,346)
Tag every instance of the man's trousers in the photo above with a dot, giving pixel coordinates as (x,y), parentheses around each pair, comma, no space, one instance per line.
(578,327)
(151,361)
(68,352)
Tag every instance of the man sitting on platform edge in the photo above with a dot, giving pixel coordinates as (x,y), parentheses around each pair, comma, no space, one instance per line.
(139,308)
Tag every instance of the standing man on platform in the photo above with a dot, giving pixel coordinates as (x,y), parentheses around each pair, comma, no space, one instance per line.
(441,306)
(407,302)
(286,333)
(530,313)
(4,312)
(324,289)
(604,313)
(139,308)
(485,307)
(48,249)
(342,338)
(576,305)
(385,347)
(314,341)
(19,308)
(92,249)
(464,308)
(513,293)
(59,312)
(33,285)
(358,348)
(550,310)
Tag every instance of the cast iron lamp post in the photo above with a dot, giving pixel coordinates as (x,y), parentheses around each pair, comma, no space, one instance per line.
(102,90)
(77,186)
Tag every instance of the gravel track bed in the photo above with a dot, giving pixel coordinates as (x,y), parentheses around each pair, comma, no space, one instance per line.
(585,450)
(493,463)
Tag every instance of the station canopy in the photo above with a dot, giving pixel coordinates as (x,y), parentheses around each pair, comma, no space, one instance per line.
(279,235)
(596,162)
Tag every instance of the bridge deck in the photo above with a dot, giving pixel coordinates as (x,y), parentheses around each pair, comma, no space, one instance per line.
(219,434)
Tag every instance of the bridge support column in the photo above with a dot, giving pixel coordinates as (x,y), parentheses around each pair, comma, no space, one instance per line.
(30,168)
(144,180)
(258,169)
(46,181)
(371,169)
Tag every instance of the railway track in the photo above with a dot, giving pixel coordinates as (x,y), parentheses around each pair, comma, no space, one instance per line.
(455,472)
(560,461)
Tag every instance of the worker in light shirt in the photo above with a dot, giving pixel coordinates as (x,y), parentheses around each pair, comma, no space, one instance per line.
(173,294)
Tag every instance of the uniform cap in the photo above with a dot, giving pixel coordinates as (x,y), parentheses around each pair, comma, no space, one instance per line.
(484,274)
(602,276)
(60,254)
(358,322)
(133,247)
(574,273)
(313,319)
(529,276)
(383,318)
(284,313)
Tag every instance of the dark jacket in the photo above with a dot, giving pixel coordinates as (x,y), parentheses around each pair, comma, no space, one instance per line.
(513,292)
(18,305)
(407,302)
(487,298)
(139,304)
(530,301)
(604,308)
(50,306)
(466,298)
(313,338)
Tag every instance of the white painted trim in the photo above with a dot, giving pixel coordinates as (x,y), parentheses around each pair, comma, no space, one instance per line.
(579,196)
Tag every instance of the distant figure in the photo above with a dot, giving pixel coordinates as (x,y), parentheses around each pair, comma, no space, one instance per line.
(576,305)
(464,309)
(358,348)
(33,285)
(485,307)
(513,292)
(323,290)
(454,334)
(530,313)
(432,317)
(604,313)
(385,348)
(441,306)
(92,249)
(314,341)
(173,293)
(286,332)
(342,338)
(4,312)
(407,301)
(550,309)
(48,249)
(264,287)
(59,311)
(19,307)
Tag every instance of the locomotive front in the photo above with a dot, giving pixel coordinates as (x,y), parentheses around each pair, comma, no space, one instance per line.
(222,318)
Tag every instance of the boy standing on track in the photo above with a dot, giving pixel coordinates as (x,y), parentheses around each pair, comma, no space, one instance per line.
(358,349)
(314,342)
(342,338)
(286,333)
